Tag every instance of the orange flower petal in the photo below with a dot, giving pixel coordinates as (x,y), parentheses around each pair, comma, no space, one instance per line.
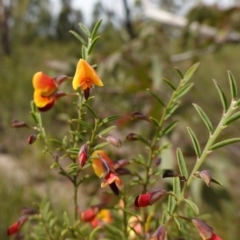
(97,162)
(85,76)
(41,101)
(44,84)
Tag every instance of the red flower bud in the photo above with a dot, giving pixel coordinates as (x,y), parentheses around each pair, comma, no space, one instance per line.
(15,227)
(91,213)
(147,199)
(142,200)
(32,139)
(133,137)
(83,155)
(140,116)
(205,231)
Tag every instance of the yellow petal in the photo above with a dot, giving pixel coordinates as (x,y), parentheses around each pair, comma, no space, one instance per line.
(85,76)
(41,101)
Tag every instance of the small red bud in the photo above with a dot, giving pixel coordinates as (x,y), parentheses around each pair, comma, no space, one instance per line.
(15,227)
(115,141)
(206,176)
(139,116)
(32,139)
(18,124)
(133,137)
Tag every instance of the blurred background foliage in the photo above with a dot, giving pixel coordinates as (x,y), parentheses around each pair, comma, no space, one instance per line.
(134,53)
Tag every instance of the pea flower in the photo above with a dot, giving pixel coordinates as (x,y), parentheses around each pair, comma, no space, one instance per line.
(85,77)
(205,231)
(89,214)
(45,90)
(103,217)
(103,167)
(96,215)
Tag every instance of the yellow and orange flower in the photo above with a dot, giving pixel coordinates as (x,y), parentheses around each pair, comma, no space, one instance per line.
(45,90)
(85,77)
(103,167)
(96,215)
(103,217)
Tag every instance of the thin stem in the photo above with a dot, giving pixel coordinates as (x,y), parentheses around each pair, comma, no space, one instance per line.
(75,199)
(125,222)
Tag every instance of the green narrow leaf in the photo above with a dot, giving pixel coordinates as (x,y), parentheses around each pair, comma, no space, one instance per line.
(182,164)
(171,110)
(164,217)
(90,110)
(233,85)
(95,29)
(177,223)
(190,72)
(177,186)
(106,130)
(91,47)
(52,222)
(83,123)
(114,230)
(171,204)
(45,210)
(156,97)
(108,119)
(73,150)
(76,35)
(169,83)
(224,143)
(179,72)
(183,90)
(233,118)
(169,128)
(66,219)
(192,205)
(154,121)
(79,135)
(101,145)
(214,180)
(34,117)
(85,29)
(204,117)
(194,141)
(222,95)
(64,232)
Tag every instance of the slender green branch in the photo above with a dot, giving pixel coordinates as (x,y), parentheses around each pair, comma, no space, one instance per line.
(210,142)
